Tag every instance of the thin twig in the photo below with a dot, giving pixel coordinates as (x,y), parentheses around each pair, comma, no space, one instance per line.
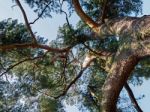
(40,15)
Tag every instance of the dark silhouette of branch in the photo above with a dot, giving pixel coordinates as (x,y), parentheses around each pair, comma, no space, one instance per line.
(131,96)
(67,20)
(26,21)
(40,15)
(99,53)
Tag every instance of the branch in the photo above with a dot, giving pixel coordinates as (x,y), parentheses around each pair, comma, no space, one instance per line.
(104,11)
(119,73)
(99,53)
(131,95)
(40,15)
(26,21)
(72,82)
(67,20)
(76,78)
(30,45)
(20,62)
(92,24)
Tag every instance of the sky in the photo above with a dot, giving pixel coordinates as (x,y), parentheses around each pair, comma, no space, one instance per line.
(48,28)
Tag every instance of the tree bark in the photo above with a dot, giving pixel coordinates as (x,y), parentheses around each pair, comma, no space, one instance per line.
(120,71)
(121,27)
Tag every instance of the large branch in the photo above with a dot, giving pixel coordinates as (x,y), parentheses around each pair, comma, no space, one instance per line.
(123,26)
(120,72)
(84,16)
(126,27)
(30,45)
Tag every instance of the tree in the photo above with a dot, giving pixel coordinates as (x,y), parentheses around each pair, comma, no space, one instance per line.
(112,43)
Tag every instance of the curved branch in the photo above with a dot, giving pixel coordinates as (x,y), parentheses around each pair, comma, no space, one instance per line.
(133,100)
(119,73)
(26,21)
(92,24)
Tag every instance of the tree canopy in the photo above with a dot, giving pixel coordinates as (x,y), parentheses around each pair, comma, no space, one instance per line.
(88,64)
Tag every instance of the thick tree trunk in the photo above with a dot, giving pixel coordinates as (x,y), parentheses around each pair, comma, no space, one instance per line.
(120,71)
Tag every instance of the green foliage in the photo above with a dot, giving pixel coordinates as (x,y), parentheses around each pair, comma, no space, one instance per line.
(12,32)
(48,105)
(114,8)
(50,75)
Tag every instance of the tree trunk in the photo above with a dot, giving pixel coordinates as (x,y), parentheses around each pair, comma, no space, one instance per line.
(119,73)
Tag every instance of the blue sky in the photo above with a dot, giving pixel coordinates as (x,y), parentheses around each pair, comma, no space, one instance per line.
(48,28)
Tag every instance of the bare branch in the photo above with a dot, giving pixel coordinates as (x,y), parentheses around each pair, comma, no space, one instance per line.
(99,53)
(26,21)
(131,96)
(67,20)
